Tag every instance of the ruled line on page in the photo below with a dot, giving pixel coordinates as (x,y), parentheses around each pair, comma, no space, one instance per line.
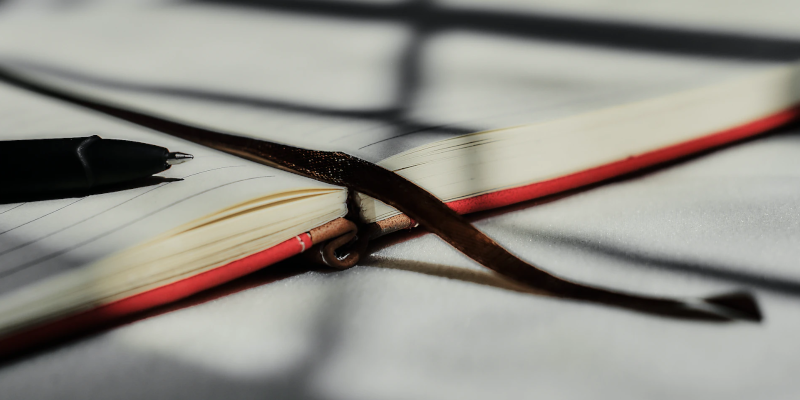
(13,208)
(36,219)
(212,169)
(81,221)
(21,267)
(106,210)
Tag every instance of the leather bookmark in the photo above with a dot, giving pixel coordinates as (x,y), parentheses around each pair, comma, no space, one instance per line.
(342,169)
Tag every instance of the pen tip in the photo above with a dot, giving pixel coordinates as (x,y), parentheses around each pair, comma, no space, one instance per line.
(740,305)
(727,307)
(178,158)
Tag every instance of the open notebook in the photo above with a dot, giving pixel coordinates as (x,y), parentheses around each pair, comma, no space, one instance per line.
(480,121)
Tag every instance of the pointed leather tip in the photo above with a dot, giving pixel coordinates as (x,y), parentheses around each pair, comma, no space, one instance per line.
(737,306)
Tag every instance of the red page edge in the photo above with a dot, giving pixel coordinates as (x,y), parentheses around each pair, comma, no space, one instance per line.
(96,317)
(593,175)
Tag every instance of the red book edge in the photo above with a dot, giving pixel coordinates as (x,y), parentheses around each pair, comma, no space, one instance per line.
(102,315)
(593,175)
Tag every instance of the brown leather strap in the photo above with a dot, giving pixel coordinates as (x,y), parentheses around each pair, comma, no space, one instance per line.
(337,244)
(356,174)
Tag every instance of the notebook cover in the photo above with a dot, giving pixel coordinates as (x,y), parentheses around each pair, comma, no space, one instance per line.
(100,316)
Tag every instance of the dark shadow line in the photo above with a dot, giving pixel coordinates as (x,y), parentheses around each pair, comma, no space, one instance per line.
(103,189)
(775,284)
(157,183)
(327,339)
(485,278)
(273,273)
(295,383)
(391,115)
(616,34)
(756,280)
(13,208)
(761,281)
(790,128)
(209,170)
(409,128)
(194,94)
(409,80)
(38,218)
(15,269)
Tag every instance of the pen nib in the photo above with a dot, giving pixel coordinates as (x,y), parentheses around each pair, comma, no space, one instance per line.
(178,158)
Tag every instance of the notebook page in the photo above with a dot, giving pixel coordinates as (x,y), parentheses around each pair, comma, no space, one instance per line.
(776,18)
(43,238)
(370,87)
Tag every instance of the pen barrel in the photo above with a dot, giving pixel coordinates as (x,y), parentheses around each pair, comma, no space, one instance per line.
(117,161)
(75,164)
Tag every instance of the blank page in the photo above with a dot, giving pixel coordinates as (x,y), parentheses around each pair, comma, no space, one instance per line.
(373,87)
(43,238)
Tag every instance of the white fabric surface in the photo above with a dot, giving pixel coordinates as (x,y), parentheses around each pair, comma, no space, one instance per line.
(418,321)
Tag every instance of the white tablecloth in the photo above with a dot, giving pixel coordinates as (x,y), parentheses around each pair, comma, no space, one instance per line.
(417,320)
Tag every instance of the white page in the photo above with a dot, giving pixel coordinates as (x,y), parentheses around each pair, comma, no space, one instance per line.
(764,18)
(370,87)
(40,239)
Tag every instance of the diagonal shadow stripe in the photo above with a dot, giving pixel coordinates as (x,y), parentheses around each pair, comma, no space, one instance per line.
(392,115)
(617,34)
(386,115)
(755,280)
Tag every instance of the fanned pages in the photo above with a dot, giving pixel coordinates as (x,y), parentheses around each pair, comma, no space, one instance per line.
(66,255)
(476,114)
(480,119)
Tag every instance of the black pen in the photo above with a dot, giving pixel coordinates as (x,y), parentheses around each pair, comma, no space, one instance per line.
(74,164)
